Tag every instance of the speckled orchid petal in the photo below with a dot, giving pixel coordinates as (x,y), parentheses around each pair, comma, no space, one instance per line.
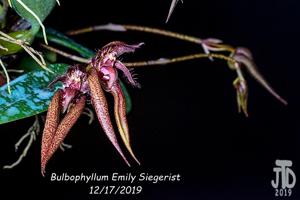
(72,98)
(120,117)
(118,48)
(63,129)
(51,125)
(111,84)
(100,105)
(108,54)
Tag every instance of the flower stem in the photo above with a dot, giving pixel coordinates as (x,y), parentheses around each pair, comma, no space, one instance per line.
(161,61)
(119,27)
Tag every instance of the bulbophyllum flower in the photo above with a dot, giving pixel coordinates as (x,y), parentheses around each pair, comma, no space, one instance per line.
(83,82)
(74,83)
(107,57)
(106,64)
(243,58)
(72,98)
(240,57)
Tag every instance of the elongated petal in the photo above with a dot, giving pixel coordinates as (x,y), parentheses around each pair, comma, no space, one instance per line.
(119,65)
(100,104)
(64,127)
(119,48)
(51,125)
(252,69)
(120,116)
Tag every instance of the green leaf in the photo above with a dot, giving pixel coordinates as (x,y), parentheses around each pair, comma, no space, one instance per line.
(27,63)
(14,48)
(50,56)
(41,8)
(30,95)
(61,39)
(127,97)
(3,13)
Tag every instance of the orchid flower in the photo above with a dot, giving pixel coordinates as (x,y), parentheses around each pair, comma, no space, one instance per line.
(243,58)
(89,82)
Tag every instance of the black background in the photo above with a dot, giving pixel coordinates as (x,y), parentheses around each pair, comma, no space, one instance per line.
(184,119)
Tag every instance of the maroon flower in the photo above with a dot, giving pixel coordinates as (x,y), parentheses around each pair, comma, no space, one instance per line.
(80,83)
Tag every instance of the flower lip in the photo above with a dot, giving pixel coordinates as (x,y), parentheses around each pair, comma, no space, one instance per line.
(108,77)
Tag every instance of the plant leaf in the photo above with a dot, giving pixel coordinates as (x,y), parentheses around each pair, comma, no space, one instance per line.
(127,97)
(28,64)
(14,48)
(41,8)
(60,39)
(30,95)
